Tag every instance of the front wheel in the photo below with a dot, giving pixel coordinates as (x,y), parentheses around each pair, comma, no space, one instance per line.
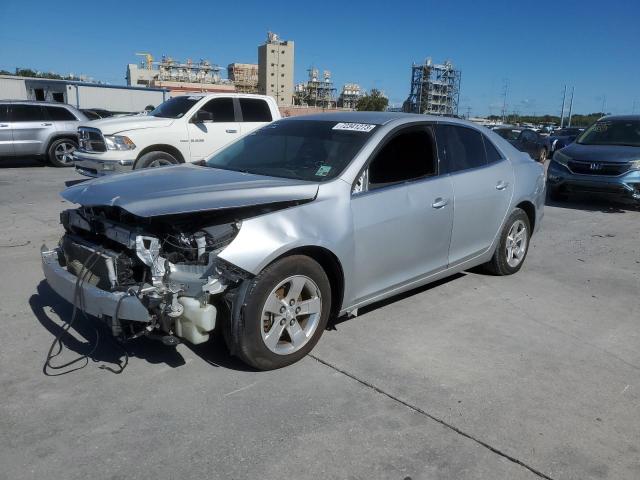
(155,159)
(61,152)
(286,309)
(513,245)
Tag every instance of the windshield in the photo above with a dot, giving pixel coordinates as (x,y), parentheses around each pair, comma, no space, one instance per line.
(508,133)
(301,149)
(174,107)
(612,132)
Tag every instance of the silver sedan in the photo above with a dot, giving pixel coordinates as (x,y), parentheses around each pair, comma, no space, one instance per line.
(305,219)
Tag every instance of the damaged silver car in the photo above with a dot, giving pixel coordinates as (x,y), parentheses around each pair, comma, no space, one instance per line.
(305,219)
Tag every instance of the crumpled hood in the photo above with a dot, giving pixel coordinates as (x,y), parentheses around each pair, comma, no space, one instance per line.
(187,188)
(602,153)
(109,126)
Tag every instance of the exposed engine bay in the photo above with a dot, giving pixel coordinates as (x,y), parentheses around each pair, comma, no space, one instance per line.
(170,263)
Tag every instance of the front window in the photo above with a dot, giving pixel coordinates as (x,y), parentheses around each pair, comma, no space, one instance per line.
(612,132)
(174,107)
(308,150)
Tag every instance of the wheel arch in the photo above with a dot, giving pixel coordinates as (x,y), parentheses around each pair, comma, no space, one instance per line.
(60,136)
(332,267)
(530,210)
(170,149)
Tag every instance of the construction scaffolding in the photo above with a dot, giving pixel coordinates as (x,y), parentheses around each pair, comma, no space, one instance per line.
(317,91)
(244,76)
(351,93)
(435,89)
(201,72)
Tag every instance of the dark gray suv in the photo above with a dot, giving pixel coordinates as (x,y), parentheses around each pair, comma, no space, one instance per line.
(41,129)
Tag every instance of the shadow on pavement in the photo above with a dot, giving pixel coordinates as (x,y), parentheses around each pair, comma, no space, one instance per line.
(396,298)
(595,203)
(71,183)
(29,162)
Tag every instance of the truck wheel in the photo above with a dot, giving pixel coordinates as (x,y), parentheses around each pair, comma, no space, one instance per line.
(155,159)
(60,152)
(285,311)
(513,245)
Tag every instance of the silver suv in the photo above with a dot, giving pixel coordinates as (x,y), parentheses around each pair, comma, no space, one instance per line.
(45,129)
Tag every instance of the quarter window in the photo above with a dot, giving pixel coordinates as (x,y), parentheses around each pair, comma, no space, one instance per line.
(493,155)
(221,108)
(59,113)
(27,113)
(460,148)
(407,156)
(254,110)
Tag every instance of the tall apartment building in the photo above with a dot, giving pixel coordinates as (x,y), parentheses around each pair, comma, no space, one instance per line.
(275,69)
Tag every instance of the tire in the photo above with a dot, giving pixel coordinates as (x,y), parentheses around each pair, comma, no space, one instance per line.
(542,156)
(155,159)
(60,152)
(505,261)
(269,322)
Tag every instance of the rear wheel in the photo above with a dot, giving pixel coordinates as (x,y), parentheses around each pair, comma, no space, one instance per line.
(285,312)
(61,152)
(155,159)
(513,246)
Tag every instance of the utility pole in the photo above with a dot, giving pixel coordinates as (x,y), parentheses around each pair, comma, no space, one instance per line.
(468,113)
(604,103)
(571,105)
(633,108)
(505,89)
(564,96)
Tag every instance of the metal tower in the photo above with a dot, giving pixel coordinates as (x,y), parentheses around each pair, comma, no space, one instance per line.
(435,89)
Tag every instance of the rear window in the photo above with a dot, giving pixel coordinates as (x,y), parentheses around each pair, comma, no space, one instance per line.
(27,113)
(59,113)
(461,148)
(255,110)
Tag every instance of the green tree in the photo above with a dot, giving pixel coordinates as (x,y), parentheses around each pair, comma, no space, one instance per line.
(374,101)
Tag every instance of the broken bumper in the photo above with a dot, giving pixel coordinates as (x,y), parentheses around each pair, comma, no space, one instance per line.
(95,301)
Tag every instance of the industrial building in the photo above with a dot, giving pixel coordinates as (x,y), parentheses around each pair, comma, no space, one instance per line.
(115,98)
(177,76)
(435,89)
(275,69)
(348,98)
(317,91)
(244,76)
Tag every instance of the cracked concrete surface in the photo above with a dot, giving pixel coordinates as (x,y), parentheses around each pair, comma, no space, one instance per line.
(531,376)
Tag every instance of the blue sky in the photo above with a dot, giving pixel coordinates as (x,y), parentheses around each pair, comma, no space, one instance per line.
(536,46)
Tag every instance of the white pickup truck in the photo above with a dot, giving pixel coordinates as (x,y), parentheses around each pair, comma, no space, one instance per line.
(182,129)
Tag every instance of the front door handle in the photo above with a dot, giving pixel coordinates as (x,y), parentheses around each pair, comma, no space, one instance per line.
(231,130)
(47,124)
(502,185)
(440,202)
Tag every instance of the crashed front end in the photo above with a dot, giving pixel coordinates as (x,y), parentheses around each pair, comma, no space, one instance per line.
(152,276)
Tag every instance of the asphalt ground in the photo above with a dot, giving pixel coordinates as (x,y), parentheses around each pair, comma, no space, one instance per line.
(476,377)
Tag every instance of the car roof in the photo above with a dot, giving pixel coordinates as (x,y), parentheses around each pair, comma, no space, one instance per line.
(37,102)
(620,117)
(377,118)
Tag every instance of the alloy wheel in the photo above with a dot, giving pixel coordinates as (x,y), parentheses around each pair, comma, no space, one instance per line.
(291,314)
(64,152)
(516,245)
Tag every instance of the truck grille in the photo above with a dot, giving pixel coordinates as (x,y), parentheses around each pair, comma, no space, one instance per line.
(598,168)
(91,140)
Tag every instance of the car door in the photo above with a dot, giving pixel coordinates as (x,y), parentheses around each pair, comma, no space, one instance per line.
(31,128)
(255,113)
(482,182)
(6,134)
(402,214)
(63,120)
(205,137)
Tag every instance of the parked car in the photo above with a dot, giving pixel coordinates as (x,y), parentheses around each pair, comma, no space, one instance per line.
(605,159)
(39,129)
(526,140)
(563,137)
(306,218)
(183,129)
(96,113)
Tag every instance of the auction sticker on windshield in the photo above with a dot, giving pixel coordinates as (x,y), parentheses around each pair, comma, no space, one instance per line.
(354,127)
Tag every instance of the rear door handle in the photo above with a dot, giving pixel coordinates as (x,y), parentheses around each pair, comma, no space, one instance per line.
(440,202)
(502,185)
(231,130)
(47,124)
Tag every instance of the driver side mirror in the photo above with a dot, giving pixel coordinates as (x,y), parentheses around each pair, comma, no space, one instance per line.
(202,116)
